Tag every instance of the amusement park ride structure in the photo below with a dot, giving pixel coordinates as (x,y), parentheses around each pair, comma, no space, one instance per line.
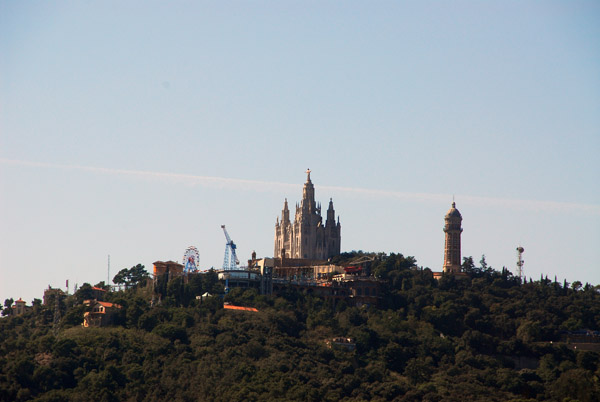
(191,260)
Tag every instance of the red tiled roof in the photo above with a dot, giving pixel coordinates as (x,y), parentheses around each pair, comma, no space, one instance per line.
(107,304)
(231,307)
(100,289)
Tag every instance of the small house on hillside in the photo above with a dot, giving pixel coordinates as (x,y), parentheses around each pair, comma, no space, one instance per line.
(101,315)
(19,308)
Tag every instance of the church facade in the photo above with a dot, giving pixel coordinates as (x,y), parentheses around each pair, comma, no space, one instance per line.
(307,237)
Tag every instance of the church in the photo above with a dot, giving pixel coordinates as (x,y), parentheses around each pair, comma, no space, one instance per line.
(307,237)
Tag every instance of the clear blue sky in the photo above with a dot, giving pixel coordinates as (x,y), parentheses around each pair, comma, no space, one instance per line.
(136,129)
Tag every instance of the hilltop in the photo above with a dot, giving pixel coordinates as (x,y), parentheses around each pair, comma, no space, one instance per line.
(485,337)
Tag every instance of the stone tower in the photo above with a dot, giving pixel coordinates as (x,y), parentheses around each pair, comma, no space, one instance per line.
(453,229)
(307,237)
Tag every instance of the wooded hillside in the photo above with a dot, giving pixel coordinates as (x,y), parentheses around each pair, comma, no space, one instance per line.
(487,338)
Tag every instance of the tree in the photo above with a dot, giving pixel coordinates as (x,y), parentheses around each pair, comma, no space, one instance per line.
(74,315)
(577,384)
(131,277)
(528,331)
(136,308)
(485,268)
(36,304)
(138,275)
(468,266)
(85,292)
(8,306)
(418,370)
(121,277)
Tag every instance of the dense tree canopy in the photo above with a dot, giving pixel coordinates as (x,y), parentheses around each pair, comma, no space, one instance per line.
(488,337)
(8,306)
(132,277)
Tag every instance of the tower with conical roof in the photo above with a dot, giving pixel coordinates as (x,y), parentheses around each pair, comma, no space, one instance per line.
(453,230)
(306,237)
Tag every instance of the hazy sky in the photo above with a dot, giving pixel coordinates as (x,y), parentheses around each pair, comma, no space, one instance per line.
(137,129)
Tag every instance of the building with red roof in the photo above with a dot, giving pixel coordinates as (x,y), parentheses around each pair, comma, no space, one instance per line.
(101,313)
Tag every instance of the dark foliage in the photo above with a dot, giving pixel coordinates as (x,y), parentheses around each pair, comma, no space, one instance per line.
(132,277)
(485,338)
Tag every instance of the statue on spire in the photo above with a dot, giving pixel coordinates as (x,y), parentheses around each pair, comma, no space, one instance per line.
(308,174)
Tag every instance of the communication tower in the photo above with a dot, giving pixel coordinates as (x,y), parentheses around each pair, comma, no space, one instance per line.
(520,261)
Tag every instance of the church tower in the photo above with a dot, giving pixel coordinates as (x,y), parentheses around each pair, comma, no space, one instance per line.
(306,237)
(283,232)
(453,229)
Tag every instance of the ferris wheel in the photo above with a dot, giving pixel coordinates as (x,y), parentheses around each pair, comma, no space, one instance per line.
(191,259)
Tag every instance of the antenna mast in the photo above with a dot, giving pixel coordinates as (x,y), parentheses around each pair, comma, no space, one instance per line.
(108,274)
(520,262)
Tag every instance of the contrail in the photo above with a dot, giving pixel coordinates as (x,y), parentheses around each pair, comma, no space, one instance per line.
(186,179)
(266,186)
(489,202)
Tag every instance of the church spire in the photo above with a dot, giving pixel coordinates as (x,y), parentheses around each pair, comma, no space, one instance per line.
(308,196)
(330,214)
(285,213)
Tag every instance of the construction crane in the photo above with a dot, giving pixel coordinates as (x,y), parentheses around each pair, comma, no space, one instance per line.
(230,261)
